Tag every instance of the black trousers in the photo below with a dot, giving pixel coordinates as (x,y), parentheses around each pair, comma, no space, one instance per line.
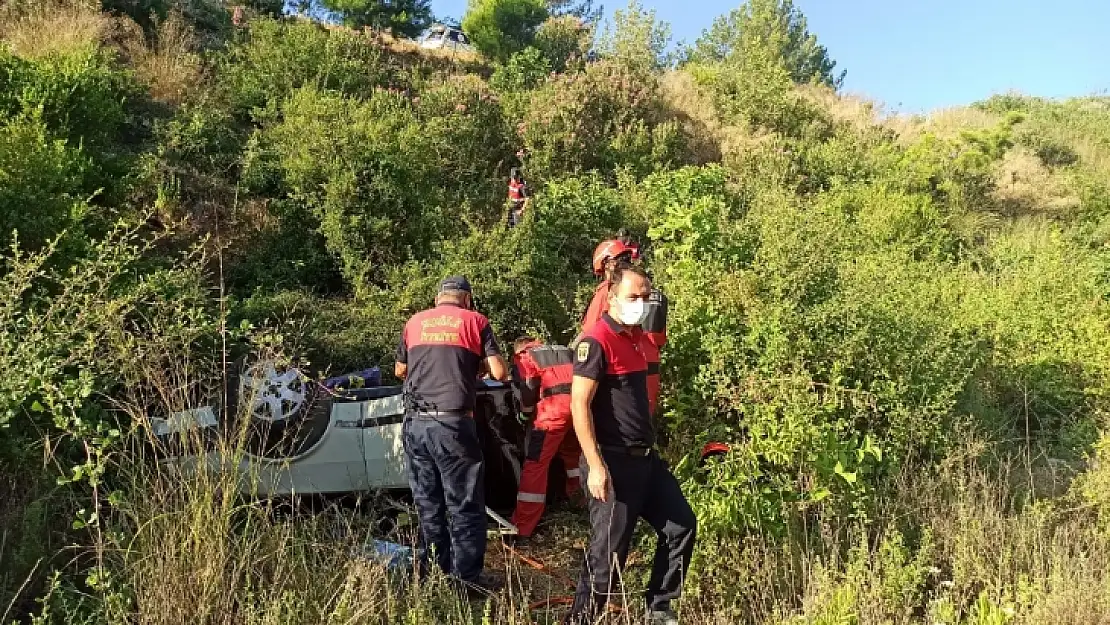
(447,475)
(642,487)
(515,213)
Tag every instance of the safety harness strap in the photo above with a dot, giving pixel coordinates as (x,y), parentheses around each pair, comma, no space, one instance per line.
(558,389)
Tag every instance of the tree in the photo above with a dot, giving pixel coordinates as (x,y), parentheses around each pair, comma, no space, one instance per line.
(582,9)
(636,39)
(500,28)
(400,17)
(775,26)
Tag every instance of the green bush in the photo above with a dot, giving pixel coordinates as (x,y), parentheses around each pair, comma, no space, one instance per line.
(277,57)
(378,190)
(41,183)
(81,95)
(563,40)
(524,70)
(600,119)
(501,28)
(355,166)
(464,140)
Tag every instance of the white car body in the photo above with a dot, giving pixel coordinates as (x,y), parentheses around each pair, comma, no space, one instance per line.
(446,38)
(359,449)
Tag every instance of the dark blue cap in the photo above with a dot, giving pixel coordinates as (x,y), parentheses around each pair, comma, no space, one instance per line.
(454,283)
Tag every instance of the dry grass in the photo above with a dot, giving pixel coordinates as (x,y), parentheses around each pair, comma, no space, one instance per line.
(43,27)
(710,138)
(1023,185)
(167,61)
(410,47)
(861,113)
(945,123)
(694,110)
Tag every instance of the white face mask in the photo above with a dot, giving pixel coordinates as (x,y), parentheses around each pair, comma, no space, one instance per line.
(632,313)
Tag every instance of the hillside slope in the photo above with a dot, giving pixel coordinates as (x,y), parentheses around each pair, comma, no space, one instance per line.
(902,325)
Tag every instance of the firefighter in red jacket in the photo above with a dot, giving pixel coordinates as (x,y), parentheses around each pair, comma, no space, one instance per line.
(607,256)
(518,196)
(543,376)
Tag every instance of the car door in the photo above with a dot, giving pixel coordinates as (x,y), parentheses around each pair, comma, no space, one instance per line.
(381,423)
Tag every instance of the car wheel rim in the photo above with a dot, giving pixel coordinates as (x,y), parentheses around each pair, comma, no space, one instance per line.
(275,396)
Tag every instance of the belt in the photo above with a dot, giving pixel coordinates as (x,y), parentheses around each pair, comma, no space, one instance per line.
(443,413)
(558,389)
(653,368)
(639,452)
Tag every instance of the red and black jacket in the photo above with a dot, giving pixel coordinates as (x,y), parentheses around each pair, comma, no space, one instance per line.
(655,332)
(443,348)
(614,357)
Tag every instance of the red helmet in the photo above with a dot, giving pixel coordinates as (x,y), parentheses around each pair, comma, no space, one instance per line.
(624,237)
(609,250)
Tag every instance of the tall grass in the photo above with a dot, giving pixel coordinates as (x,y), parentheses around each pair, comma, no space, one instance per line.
(37,28)
(167,60)
(960,543)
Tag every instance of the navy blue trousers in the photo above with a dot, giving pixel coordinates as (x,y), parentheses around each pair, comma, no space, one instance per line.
(642,488)
(447,477)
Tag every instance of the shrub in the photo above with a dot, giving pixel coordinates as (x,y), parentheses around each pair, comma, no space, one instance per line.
(40,186)
(563,40)
(599,119)
(464,140)
(525,70)
(377,189)
(277,58)
(81,95)
(354,165)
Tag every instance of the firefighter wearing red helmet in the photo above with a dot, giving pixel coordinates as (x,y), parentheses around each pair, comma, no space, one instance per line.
(606,257)
(543,377)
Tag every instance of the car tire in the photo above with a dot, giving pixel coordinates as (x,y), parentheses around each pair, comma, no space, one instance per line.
(285,412)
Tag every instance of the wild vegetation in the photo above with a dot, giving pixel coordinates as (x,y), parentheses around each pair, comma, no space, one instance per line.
(900,323)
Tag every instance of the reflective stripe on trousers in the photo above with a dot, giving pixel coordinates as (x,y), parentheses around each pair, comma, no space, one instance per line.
(544,444)
(531,497)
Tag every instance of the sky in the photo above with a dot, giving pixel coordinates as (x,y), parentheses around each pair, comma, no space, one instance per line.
(914,56)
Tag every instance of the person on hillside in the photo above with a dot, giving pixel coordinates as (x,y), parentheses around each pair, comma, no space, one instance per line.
(519,195)
(440,356)
(625,477)
(543,376)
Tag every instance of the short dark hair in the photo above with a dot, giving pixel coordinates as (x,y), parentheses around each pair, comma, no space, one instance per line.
(621,269)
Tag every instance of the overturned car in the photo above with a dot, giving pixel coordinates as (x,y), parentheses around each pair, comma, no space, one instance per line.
(303,437)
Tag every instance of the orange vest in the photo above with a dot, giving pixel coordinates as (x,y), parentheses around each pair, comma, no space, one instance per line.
(549,370)
(516,190)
